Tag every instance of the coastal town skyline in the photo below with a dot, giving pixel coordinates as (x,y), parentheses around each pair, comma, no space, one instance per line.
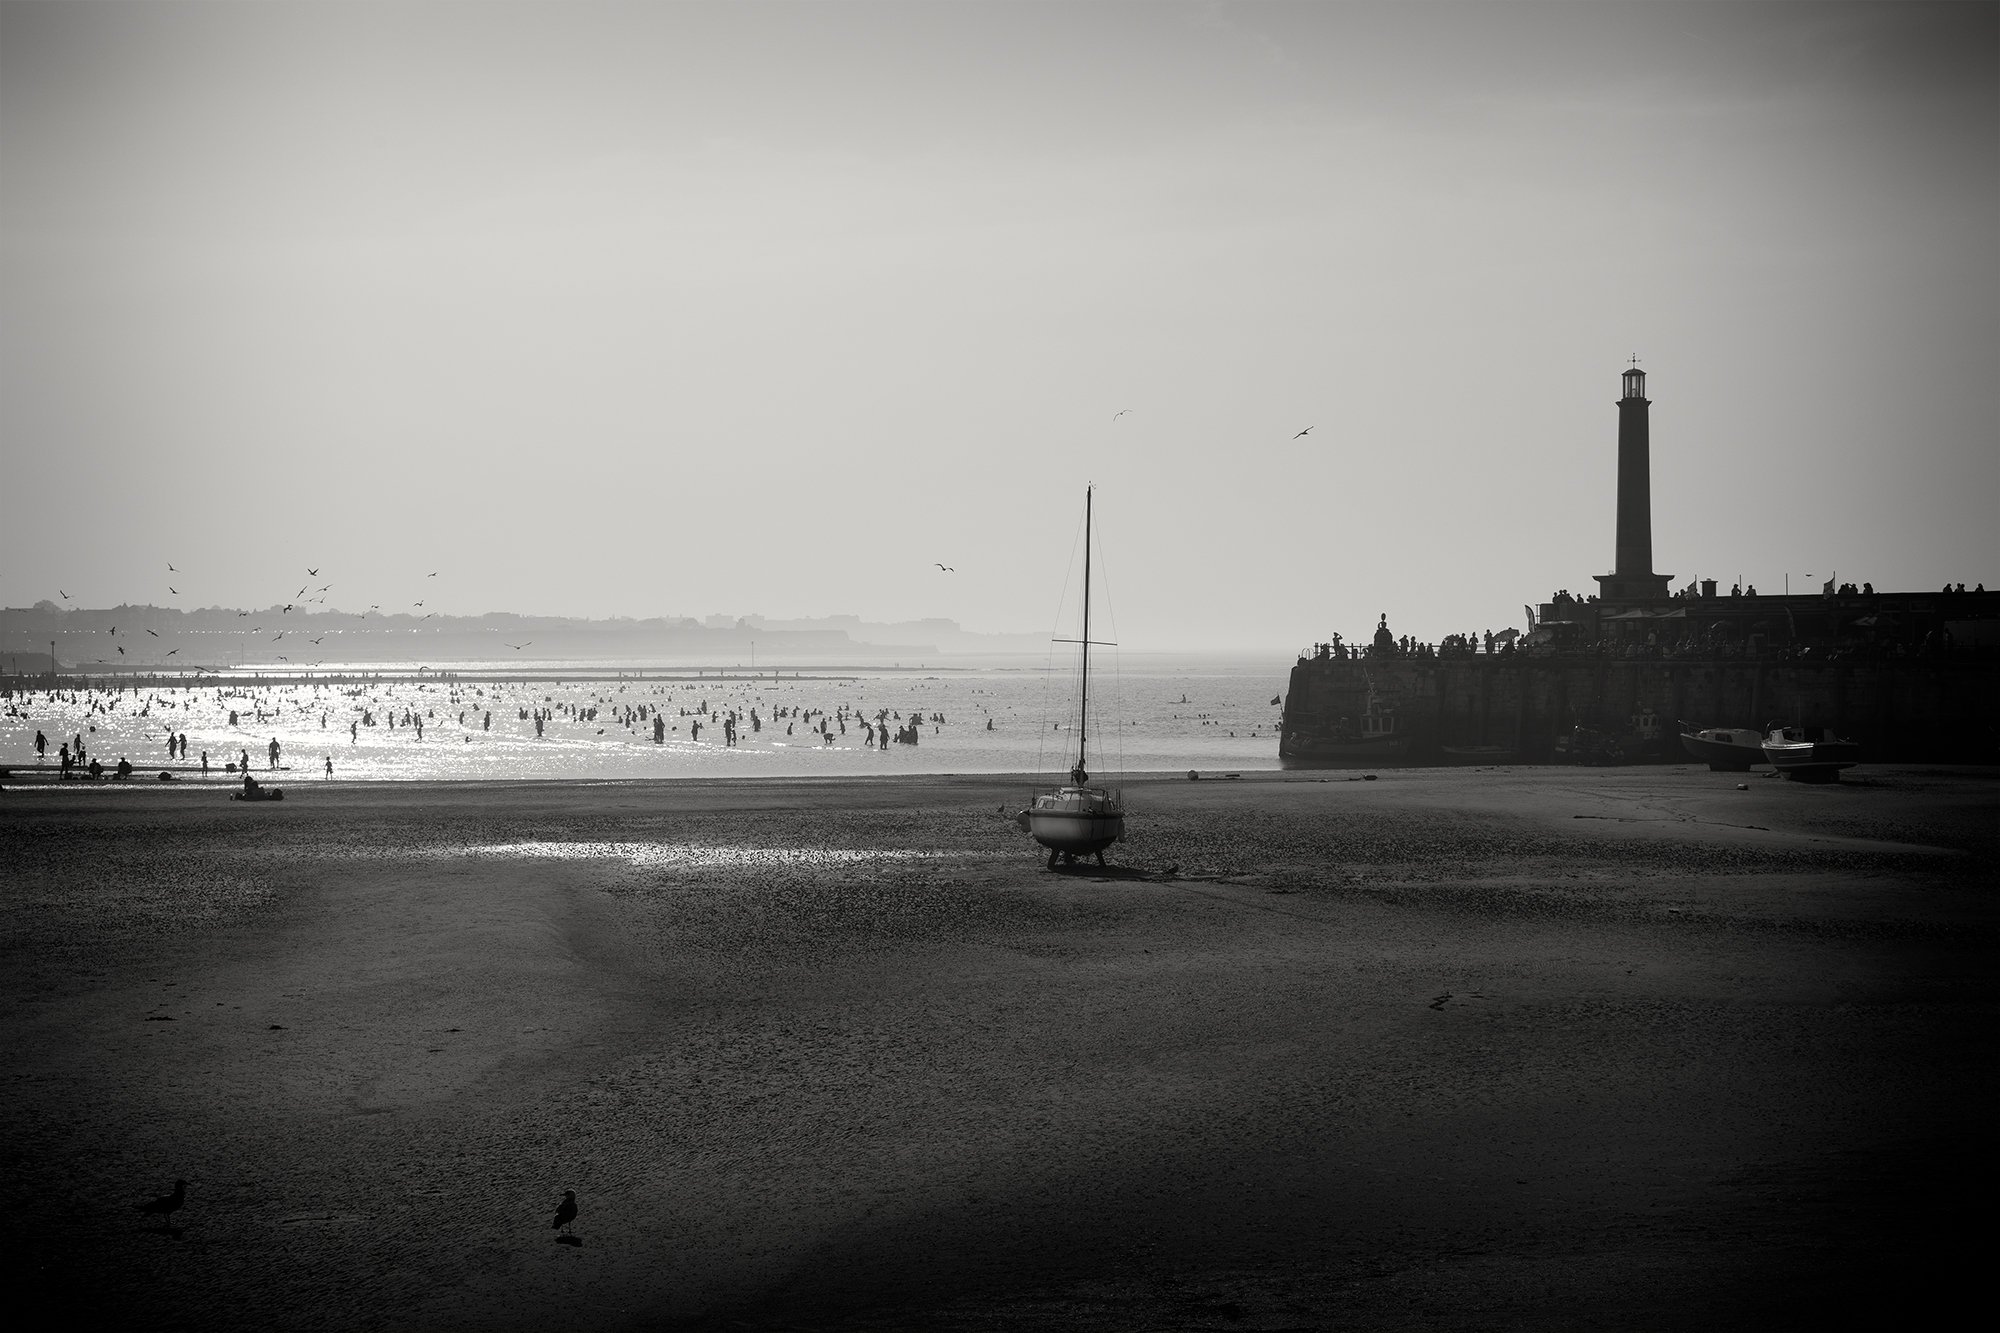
(796,311)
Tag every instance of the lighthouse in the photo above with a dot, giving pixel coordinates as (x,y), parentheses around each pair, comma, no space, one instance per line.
(1632,578)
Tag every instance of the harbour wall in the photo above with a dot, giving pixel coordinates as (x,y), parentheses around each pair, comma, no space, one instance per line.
(1900,710)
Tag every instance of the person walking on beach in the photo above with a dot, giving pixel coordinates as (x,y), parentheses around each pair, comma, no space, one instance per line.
(329,765)
(274,752)
(204,763)
(41,747)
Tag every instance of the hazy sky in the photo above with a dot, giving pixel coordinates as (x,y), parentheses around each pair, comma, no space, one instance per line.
(691,308)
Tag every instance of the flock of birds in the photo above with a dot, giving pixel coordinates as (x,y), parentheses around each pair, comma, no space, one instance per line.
(167,1205)
(298,601)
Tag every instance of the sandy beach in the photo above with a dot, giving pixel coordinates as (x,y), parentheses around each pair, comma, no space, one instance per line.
(1452,1049)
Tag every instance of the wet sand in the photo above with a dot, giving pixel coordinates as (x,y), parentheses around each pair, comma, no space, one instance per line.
(1454,1049)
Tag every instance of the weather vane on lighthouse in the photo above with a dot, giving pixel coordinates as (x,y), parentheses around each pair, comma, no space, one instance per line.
(1635,359)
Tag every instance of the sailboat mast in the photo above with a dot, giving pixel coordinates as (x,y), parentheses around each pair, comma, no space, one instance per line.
(1083,706)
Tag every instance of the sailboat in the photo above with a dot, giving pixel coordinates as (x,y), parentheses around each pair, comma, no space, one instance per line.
(1079,819)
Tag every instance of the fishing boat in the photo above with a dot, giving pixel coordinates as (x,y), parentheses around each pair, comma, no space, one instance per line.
(1810,754)
(1340,742)
(1724,749)
(1078,819)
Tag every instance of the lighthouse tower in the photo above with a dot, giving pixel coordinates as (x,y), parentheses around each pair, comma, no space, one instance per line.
(1633,579)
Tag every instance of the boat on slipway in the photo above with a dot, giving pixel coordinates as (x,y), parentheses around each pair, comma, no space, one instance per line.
(1810,754)
(1080,818)
(1725,749)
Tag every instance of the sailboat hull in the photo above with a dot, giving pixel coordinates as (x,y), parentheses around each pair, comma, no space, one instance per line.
(1077,820)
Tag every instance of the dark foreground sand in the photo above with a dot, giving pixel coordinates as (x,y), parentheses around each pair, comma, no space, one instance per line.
(1454,1049)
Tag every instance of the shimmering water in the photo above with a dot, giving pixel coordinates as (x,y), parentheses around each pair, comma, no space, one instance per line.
(1165,714)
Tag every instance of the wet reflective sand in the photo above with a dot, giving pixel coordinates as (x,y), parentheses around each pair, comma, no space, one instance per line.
(1447,1050)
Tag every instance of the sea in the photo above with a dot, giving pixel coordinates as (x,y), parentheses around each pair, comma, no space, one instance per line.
(1148,713)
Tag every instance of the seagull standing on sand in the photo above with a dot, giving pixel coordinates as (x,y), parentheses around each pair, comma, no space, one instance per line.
(165,1205)
(565,1212)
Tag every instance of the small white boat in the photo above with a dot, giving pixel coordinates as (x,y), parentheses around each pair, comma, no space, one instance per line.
(1810,754)
(1725,749)
(1079,819)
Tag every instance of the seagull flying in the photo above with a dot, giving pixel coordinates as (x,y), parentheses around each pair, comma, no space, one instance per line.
(65,596)
(171,569)
(433,574)
(170,651)
(946,568)
(1116,415)
(1303,433)
(517,647)
(313,572)
(155,633)
(172,589)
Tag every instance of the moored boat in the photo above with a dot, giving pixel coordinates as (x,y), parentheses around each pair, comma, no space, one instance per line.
(1080,819)
(1725,749)
(1374,740)
(1809,754)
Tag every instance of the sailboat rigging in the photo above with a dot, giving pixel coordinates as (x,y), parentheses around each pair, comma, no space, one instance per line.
(1079,819)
